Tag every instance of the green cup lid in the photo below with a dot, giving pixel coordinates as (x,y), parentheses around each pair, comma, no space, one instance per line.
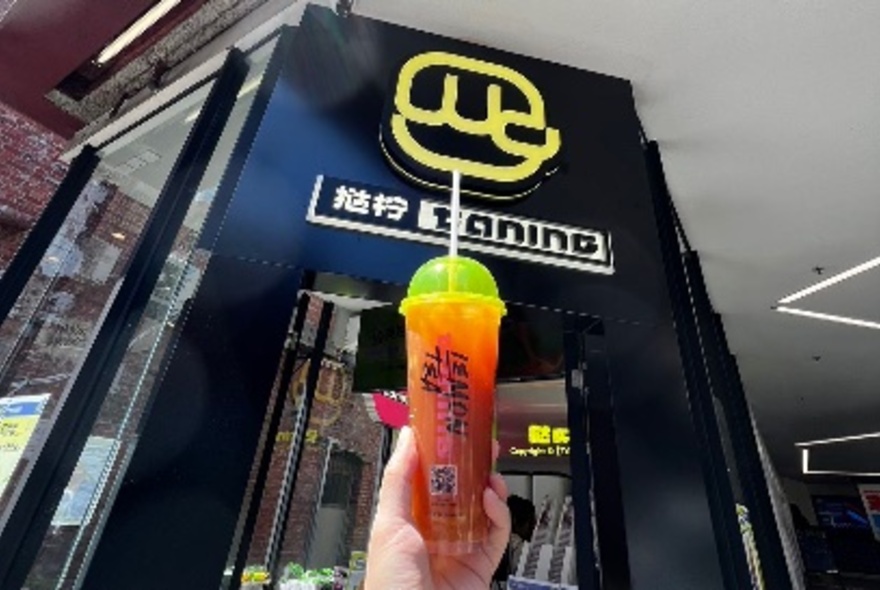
(453,275)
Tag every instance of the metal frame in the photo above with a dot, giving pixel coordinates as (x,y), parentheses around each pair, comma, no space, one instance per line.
(30,517)
(296,445)
(718,486)
(588,574)
(602,432)
(276,409)
(39,239)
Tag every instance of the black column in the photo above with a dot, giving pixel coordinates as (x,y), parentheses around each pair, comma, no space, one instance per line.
(581,473)
(718,485)
(602,436)
(751,470)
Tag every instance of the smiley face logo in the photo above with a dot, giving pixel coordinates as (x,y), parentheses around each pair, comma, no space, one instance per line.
(495,131)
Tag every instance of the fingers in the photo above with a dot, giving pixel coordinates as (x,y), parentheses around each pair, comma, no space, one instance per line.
(395,496)
(495,505)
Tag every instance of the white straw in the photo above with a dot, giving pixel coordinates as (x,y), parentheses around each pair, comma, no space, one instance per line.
(456,207)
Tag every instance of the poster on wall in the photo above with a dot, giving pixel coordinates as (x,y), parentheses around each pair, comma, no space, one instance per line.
(83,484)
(871,497)
(18,420)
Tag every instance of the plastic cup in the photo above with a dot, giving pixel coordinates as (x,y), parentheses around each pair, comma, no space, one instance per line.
(453,313)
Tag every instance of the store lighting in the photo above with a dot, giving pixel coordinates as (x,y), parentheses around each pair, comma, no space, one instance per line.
(839,277)
(805,468)
(783,306)
(249,87)
(138,28)
(840,439)
(828,317)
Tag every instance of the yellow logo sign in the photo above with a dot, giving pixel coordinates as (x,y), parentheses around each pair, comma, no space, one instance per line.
(524,163)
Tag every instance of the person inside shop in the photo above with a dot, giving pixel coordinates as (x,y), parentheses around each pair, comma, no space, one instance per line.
(397,557)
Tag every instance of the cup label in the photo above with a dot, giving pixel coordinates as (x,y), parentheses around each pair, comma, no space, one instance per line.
(445,374)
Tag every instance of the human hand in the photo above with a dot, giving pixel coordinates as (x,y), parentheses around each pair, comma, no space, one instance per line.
(398,558)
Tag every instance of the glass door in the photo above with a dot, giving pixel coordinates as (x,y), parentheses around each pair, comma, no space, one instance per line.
(309,507)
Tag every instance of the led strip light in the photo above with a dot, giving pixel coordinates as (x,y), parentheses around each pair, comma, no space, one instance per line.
(784,307)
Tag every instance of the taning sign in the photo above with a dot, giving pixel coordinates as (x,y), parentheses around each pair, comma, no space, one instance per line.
(499,165)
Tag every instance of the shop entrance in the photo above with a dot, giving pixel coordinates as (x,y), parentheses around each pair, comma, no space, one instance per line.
(338,402)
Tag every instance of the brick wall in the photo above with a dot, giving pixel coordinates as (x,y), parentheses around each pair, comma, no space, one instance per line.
(29,173)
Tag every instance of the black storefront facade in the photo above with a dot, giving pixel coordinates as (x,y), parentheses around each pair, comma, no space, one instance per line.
(319,195)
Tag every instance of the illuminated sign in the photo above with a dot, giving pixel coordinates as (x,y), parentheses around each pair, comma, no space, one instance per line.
(544,441)
(502,152)
(359,207)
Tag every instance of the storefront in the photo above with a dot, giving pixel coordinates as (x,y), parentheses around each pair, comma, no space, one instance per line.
(213,351)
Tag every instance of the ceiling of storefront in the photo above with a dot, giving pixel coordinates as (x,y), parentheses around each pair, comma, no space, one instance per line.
(768,117)
(53,38)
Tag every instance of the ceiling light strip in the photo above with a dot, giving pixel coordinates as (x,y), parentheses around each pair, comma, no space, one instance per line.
(865,266)
(138,28)
(840,439)
(829,317)
(805,465)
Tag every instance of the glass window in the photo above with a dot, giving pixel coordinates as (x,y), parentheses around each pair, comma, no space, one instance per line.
(50,328)
(132,172)
(535,451)
(323,521)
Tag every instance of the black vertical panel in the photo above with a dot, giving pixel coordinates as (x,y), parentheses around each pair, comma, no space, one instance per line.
(751,471)
(611,532)
(176,511)
(714,366)
(239,156)
(41,235)
(718,486)
(581,475)
(23,534)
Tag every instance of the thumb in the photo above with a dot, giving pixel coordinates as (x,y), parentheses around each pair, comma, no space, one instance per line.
(395,497)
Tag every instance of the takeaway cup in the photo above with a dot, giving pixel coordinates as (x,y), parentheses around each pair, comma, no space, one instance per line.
(453,313)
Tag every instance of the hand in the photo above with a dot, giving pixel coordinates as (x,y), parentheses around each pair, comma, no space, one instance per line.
(398,559)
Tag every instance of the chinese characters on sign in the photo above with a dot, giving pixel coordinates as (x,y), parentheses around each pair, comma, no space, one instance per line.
(361,202)
(385,212)
(544,441)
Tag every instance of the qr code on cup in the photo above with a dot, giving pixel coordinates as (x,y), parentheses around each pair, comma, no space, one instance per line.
(444,480)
